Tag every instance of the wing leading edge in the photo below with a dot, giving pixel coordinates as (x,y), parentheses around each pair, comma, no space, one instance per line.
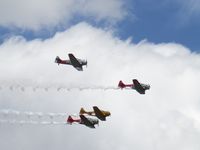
(86,121)
(75,63)
(99,114)
(138,87)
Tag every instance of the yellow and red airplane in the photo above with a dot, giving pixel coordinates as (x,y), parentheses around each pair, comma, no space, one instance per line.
(101,114)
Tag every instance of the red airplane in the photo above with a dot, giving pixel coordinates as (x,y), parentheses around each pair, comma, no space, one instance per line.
(89,122)
(139,87)
(76,63)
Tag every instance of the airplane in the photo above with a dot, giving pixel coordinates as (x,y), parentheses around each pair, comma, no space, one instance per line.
(100,114)
(139,87)
(75,62)
(89,122)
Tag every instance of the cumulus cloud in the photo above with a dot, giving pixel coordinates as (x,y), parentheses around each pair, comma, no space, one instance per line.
(165,118)
(37,14)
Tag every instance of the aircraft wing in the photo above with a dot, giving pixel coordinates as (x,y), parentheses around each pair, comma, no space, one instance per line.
(99,113)
(75,62)
(138,87)
(86,121)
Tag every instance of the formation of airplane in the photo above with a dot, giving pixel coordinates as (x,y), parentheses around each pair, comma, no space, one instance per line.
(88,121)
(139,87)
(75,62)
(100,114)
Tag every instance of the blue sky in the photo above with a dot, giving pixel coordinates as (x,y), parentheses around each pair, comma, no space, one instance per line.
(161,22)
(157,21)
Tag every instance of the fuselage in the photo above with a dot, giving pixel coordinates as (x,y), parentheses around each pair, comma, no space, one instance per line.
(92,120)
(145,86)
(92,113)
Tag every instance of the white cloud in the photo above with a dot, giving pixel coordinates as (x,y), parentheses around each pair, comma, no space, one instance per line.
(165,118)
(38,14)
(114,9)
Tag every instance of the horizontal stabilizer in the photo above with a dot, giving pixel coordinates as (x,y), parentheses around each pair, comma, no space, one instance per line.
(121,84)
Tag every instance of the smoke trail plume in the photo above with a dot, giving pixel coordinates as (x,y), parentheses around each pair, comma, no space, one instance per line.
(32,122)
(57,88)
(7,112)
(11,116)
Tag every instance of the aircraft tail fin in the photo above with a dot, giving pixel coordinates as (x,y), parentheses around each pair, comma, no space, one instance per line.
(121,84)
(70,120)
(58,60)
(82,111)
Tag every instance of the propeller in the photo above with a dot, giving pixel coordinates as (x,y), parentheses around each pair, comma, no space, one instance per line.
(57,60)
(98,122)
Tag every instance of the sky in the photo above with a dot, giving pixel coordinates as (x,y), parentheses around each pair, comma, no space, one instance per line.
(121,40)
(157,21)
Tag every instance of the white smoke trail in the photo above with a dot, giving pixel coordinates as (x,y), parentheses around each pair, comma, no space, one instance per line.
(28,114)
(11,116)
(57,88)
(32,122)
